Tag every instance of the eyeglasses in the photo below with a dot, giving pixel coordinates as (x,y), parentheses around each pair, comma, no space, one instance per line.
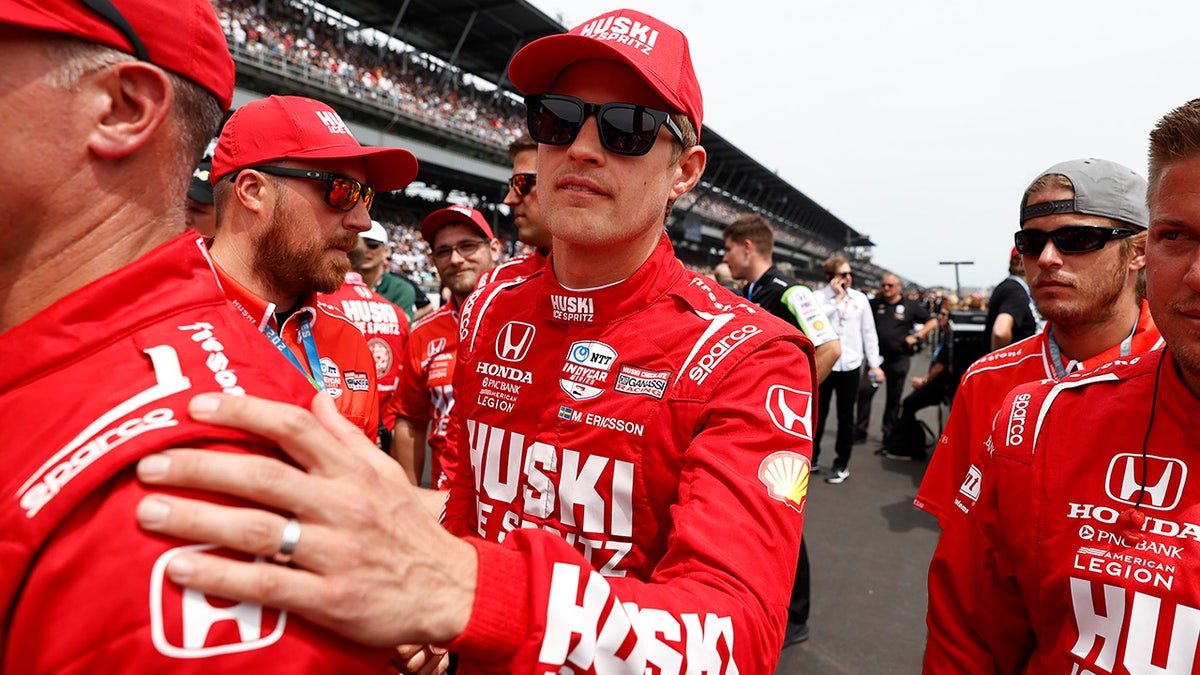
(1074,239)
(372,244)
(465,249)
(341,192)
(522,183)
(113,16)
(625,128)
(844,274)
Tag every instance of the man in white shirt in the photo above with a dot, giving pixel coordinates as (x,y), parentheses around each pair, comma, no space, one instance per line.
(850,312)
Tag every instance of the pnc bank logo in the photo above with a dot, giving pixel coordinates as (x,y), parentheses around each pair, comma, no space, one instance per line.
(512,344)
(1161,478)
(791,410)
(187,624)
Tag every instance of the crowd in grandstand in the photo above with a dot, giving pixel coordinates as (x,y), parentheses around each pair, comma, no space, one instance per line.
(357,64)
(364,65)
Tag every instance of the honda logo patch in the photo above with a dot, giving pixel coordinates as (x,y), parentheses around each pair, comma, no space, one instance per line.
(512,344)
(187,624)
(791,410)
(1162,480)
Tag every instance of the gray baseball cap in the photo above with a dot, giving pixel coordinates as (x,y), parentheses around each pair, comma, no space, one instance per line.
(1102,188)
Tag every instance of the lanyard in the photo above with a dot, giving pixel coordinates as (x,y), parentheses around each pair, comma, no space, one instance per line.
(1037,318)
(310,351)
(1061,371)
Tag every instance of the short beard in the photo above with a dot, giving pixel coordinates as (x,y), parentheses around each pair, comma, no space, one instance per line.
(298,268)
(1097,312)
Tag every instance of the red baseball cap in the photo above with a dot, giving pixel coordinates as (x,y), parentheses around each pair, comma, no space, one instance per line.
(658,52)
(455,215)
(182,36)
(295,127)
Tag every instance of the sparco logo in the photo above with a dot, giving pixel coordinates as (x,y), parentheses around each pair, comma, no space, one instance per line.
(709,362)
(1163,479)
(791,410)
(1016,420)
(512,344)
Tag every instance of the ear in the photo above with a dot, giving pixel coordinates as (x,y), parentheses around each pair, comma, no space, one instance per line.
(253,191)
(132,100)
(1137,251)
(691,166)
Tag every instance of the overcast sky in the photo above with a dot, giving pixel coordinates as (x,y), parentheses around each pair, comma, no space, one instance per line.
(921,123)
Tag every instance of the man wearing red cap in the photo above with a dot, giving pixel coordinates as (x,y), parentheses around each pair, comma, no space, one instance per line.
(634,440)
(103,360)
(1082,238)
(463,249)
(293,189)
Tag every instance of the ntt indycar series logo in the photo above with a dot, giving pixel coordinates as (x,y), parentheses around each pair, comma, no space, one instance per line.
(587,369)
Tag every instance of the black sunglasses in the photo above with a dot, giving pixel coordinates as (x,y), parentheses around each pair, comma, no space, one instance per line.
(1074,239)
(113,16)
(341,192)
(625,128)
(522,183)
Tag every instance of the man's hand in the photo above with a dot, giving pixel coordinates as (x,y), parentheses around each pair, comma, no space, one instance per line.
(370,563)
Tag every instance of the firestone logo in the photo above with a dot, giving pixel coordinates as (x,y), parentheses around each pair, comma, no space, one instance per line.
(1160,478)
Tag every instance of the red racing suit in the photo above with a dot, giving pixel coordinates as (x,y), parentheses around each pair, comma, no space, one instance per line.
(642,452)
(347,366)
(379,320)
(518,267)
(1042,575)
(425,395)
(980,392)
(103,379)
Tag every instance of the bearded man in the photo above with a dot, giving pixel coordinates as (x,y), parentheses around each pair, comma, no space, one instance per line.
(293,189)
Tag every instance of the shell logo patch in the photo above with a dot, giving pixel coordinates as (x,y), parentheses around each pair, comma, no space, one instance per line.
(786,476)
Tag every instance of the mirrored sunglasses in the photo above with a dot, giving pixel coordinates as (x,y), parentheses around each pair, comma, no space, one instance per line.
(522,183)
(625,128)
(341,192)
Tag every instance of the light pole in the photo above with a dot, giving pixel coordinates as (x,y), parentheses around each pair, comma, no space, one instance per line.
(957,284)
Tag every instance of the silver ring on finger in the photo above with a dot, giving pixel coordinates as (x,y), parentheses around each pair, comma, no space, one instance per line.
(288,541)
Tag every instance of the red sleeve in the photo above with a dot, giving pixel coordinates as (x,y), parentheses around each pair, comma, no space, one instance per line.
(717,600)
(950,461)
(978,620)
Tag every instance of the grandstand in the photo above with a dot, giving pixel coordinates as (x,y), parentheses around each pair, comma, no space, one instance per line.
(430,76)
